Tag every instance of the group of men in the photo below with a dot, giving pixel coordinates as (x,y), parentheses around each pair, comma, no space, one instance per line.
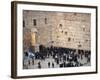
(63,57)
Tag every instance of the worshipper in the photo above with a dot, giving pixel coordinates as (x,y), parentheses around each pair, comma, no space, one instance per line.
(52,64)
(48,64)
(39,65)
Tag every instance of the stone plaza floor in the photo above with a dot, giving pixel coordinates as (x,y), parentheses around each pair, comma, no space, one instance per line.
(44,63)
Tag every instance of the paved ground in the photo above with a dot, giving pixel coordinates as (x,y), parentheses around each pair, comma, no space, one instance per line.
(44,63)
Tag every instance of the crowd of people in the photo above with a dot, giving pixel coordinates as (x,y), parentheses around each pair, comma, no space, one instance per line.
(63,57)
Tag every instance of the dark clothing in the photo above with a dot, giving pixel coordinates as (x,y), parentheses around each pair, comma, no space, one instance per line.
(53,65)
(49,64)
(39,65)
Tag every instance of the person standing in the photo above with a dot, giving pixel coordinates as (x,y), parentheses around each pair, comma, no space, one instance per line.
(52,64)
(48,64)
(39,65)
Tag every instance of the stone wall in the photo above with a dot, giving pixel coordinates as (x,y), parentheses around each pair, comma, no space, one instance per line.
(70,30)
(26,38)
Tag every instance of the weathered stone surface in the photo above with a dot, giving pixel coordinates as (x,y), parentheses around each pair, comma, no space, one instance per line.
(70,30)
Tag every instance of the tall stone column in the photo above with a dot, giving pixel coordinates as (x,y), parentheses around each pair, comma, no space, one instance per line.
(34,39)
